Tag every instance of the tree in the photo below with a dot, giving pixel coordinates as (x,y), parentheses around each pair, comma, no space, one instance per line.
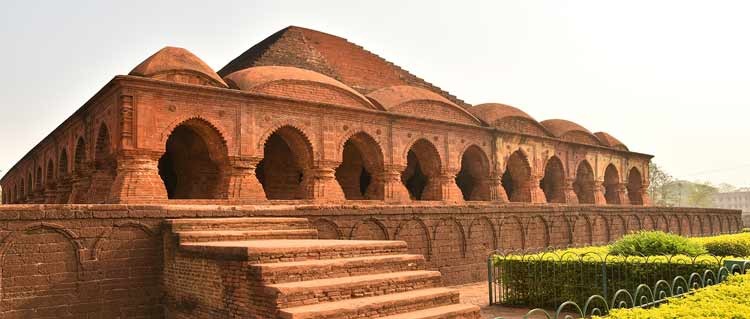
(661,189)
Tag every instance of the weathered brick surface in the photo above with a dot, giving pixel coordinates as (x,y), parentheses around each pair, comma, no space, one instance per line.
(107,258)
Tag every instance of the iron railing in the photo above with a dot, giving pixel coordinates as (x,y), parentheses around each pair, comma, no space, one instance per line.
(644,296)
(548,279)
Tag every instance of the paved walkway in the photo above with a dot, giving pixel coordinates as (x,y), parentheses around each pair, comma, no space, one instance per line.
(477,294)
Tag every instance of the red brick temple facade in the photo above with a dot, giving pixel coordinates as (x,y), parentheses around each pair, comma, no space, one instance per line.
(181,192)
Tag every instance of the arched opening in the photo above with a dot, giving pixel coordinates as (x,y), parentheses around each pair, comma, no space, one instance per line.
(584,183)
(15,194)
(611,181)
(287,154)
(361,160)
(191,167)
(50,172)
(80,156)
(554,180)
(102,148)
(38,182)
(516,178)
(22,189)
(635,187)
(474,168)
(62,165)
(422,164)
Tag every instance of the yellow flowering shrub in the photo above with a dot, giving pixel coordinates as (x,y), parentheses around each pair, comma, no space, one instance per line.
(726,300)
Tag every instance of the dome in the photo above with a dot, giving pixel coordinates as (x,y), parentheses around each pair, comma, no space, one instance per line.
(570,131)
(559,127)
(295,83)
(178,65)
(610,141)
(420,102)
(508,118)
(493,112)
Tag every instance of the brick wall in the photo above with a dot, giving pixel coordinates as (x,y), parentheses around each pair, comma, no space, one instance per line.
(105,261)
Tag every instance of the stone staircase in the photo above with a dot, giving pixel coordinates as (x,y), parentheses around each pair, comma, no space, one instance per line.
(279,269)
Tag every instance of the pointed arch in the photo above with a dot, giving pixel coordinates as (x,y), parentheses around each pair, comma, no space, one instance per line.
(611,184)
(417,236)
(423,166)
(80,155)
(553,182)
(511,234)
(482,237)
(62,164)
(475,169)
(103,146)
(584,184)
(369,229)
(362,158)
(287,158)
(50,172)
(194,161)
(635,187)
(517,177)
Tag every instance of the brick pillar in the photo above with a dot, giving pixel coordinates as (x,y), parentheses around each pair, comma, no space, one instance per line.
(80,184)
(531,187)
(496,189)
(621,190)
(50,193)
(319,183)
(387,185)
(598,190)
(569,192)
(242,184)
(442,187)
(64,188)
(138,179)
(645,198)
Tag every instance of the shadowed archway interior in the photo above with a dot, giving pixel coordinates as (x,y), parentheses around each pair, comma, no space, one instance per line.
(474,168)
(611,182)
(584,183)
(635,187)
(191,167)
(516,178)
(553,182)
(361,160)
(287,154)
(422,164)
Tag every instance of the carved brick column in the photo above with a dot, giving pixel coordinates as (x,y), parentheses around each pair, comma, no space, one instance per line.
(138,179)
(387,186)
(319,183)
(645,198)
(531,188)
(442,187)
(621,190)
(569,191)
(496,190)
(50,193)
(242,184)
(597,188)
(64,188)
(81,182)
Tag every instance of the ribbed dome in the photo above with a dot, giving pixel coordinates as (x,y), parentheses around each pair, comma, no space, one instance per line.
(178,65)
(559,127)
(394,96)
(271,80)
(610,141)
(420,102)
(492,112)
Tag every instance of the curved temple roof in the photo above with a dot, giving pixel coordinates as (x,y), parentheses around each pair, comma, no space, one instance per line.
(172,59)
(256,78)
(610,140)
(492,112)
(559,127)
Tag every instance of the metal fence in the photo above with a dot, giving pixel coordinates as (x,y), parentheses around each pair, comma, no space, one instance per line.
(547,279)
(643,296)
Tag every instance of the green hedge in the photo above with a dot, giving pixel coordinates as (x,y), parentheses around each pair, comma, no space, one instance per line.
(655,243)
(547,281)
(726,300)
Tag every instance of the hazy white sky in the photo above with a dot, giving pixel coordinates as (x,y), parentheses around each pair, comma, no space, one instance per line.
(669,78)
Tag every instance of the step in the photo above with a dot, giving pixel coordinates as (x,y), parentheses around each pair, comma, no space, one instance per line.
(333,268)
(374,307)
(457,311)
(280,250)
(230,235)
(302,293)
(238,223)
